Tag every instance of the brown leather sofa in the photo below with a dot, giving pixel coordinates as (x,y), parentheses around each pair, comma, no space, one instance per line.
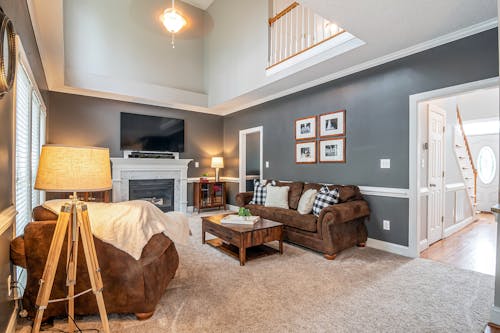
(130,286)
(338,227)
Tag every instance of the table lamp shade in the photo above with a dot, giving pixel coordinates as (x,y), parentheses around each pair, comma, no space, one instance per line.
(73,169)
(217,162)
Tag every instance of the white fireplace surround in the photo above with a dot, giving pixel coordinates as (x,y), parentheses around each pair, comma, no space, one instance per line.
(125,169)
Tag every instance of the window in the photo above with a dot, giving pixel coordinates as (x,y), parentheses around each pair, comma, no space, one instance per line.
(486,164)
(30,135)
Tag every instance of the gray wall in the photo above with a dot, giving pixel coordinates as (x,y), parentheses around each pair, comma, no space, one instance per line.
(377,104)
(18,12)
(82,120)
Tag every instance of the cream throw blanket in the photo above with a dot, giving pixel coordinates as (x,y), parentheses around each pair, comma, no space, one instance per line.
(130,225)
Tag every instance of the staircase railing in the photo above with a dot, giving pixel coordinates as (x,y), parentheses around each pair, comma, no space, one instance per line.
(296,29)
(469,153)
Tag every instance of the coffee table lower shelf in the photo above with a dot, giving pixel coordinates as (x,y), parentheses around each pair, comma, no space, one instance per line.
(253,252)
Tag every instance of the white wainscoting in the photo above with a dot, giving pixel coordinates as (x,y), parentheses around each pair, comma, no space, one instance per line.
(7,217)
(7,220)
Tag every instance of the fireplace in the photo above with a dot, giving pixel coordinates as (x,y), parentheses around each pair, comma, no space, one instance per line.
(159,192)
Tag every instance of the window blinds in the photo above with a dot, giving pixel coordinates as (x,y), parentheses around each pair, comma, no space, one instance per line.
(30,133)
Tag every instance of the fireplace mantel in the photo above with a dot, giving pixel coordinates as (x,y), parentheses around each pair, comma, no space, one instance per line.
(125,169)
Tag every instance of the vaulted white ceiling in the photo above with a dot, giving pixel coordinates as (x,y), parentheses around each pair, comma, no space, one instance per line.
(202,4)
(117,48)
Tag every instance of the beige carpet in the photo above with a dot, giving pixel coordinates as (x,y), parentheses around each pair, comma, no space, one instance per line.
(362,290)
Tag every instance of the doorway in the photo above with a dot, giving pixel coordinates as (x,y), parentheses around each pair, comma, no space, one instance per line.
(251,157)
(457,173)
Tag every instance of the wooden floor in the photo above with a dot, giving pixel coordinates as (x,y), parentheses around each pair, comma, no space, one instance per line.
(472,248)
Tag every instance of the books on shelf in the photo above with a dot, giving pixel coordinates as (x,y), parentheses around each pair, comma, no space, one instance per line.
(235,219)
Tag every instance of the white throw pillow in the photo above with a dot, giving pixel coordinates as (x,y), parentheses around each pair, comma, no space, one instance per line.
(306,202)
(277,196)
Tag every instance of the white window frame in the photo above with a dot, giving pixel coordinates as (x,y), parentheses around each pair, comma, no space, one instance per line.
(22,60)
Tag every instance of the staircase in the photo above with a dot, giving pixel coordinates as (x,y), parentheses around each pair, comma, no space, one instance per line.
(466,162)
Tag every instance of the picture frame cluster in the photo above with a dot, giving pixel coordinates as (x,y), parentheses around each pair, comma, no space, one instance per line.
(330,128)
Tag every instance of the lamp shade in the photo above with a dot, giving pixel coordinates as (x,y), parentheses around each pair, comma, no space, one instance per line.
(73,169)
(217,162)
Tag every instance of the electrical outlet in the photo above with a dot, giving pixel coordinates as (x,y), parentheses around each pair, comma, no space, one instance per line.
(387,224)
(385,163)
(267,164)
(196,164)
(9,285)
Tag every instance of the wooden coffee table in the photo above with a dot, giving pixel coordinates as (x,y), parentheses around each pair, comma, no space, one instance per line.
(243,241)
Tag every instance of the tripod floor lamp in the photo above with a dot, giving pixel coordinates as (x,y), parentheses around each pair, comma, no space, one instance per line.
(72,169)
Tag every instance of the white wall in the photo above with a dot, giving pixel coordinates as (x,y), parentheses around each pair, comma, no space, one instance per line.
(481,104)
(127,43)
(236,48)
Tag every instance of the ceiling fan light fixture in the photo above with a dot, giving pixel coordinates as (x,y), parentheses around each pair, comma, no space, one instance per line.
(173,21)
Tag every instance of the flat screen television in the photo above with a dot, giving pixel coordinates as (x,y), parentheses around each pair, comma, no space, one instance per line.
(150,133)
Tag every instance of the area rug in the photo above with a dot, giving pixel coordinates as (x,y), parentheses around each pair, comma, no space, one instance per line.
(362,290)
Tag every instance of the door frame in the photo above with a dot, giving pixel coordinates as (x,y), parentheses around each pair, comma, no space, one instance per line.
(443,167)
(415,173)
(243,154)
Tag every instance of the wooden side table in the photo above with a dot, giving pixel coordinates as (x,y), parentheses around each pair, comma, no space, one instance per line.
(209,195)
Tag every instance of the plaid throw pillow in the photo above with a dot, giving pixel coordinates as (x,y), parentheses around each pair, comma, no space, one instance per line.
(325,198)
(259,194)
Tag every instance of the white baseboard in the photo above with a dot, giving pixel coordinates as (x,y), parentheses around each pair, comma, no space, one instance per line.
(495,315)
(11,327)
(458,226)
(190,209)
(423,245)
(389,247)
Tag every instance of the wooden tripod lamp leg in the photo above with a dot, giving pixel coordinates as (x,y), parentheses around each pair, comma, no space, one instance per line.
(92,263)
(71,264)
(49,272)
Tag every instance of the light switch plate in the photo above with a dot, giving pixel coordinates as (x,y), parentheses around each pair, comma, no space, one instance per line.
(387,224)
(196,164)
(267,164)
(385,163)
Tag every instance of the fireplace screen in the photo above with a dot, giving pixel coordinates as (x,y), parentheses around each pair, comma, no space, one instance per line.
(159,192)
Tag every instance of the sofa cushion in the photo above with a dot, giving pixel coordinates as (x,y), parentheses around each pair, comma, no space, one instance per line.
(306,202)
(288,217)
(277,196)
(347,192)
(325,198)
(294,193)
(259,194)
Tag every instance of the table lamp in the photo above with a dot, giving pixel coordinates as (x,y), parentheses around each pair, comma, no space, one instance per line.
(217,162)
(72,169)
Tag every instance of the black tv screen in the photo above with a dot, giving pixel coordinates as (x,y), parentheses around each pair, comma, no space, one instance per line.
(150,133)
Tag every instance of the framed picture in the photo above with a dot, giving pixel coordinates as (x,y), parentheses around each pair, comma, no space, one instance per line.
(332,151)
(305,152)
(332,124)
(305,128)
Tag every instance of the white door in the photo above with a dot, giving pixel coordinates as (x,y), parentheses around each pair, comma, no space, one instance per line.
(485,153)
(436,139)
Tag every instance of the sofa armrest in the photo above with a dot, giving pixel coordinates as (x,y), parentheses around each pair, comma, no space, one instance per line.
(17,252)
(243,198)
(344,212)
